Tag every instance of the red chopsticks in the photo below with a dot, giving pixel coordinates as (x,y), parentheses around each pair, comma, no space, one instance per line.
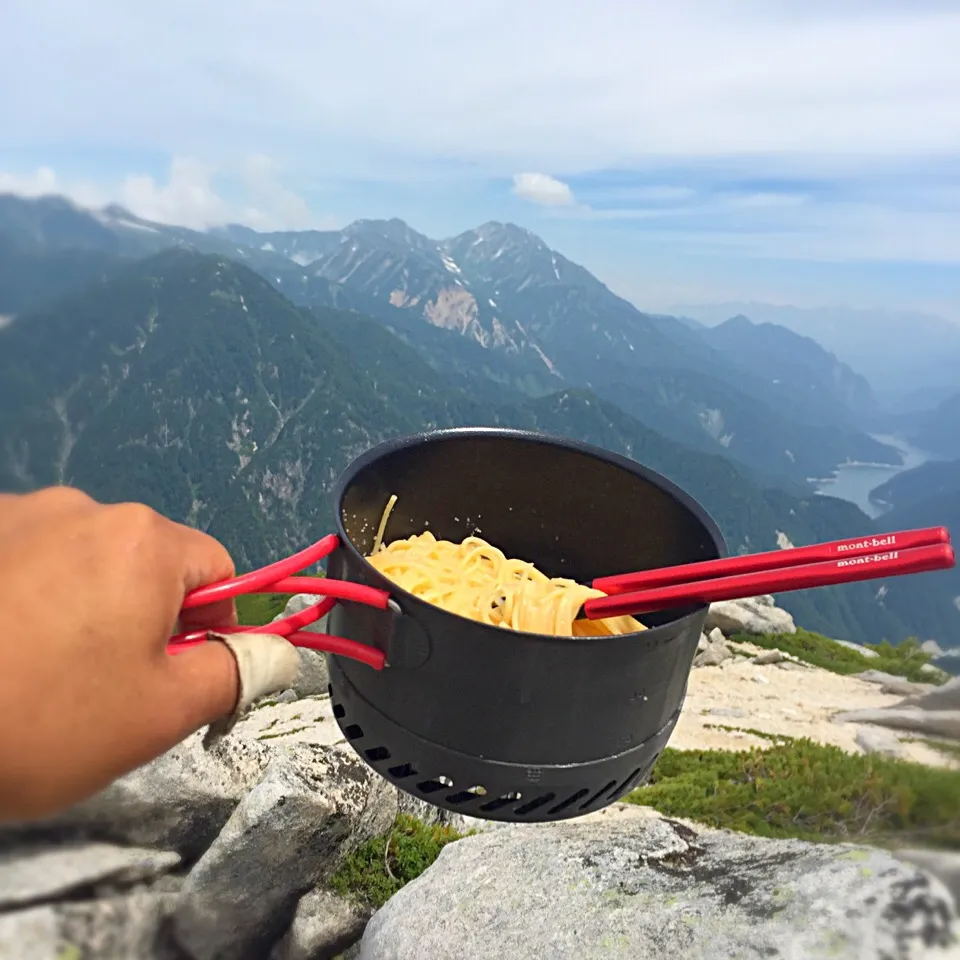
(869,558)
(774,560)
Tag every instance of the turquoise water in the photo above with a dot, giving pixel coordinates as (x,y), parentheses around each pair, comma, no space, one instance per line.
(853,481)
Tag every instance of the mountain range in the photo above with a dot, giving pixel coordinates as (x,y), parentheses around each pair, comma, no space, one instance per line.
(910,358)
(543,322)
(225,382)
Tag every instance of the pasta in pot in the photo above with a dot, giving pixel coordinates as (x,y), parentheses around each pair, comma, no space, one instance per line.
(476,580)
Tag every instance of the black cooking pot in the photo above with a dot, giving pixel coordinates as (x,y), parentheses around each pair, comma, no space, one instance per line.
(490,722)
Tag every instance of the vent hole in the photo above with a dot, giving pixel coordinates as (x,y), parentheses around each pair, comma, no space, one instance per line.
(600,793)
(353,732)
(628,783)
(338,711)
(535,804)
(462,797)
(329,689)
(377,753)
(478,791)
(503,801)
(402,772)
(569,802)
(431,786)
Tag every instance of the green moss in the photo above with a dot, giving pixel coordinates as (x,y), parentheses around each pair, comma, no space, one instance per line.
(803,789)
(257,609)
(905,660)
(374,875)
(281,733)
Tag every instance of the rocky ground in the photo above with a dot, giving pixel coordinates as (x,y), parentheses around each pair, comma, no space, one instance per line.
(227,854)
(792,699)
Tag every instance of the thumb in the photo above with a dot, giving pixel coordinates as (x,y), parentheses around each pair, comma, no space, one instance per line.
(218,680)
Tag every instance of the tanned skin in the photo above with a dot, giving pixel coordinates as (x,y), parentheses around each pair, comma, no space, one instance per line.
(90,595)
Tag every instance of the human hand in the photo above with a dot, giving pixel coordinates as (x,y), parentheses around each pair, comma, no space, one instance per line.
(90,595)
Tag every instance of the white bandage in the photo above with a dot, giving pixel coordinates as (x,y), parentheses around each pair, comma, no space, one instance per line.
(266,664)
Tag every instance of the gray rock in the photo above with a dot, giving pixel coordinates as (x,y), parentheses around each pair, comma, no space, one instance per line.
(859,648)
(875,676)
(132,926)
(703,643)
(286,696)
(791,665)
(314,676)
(883,742)
(307,720)
(297,604)
(937,723)
(283,837)
(768,657)
(901,687)
(754,615)
(713,656)
(32,935)
(324,925)
(178,802)
(734,712)
(942,864)
(654,888)
(35,875)
(716,636)
(891,683)
(946,697)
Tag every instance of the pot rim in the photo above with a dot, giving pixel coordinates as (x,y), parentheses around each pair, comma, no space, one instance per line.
(378,452)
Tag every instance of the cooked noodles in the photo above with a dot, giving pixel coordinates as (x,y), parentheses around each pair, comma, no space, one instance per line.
(476,580)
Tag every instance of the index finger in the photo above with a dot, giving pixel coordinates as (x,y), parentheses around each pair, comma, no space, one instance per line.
(203,560)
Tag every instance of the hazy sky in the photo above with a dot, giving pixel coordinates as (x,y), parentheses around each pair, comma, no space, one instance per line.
(804,151)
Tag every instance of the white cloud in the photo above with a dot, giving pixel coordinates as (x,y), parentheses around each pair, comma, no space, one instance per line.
(274,203)
(44,182)
(576,86)
(188,197)
(543,189)
(763,200)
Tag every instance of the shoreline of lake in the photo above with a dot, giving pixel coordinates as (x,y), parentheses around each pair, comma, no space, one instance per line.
(854,482)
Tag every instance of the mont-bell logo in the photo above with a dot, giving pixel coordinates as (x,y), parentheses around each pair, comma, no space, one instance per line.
(887,541)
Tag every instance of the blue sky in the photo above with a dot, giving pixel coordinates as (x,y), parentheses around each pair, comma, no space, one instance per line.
(803,152)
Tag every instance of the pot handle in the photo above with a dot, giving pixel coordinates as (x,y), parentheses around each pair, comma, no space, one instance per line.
(277,578)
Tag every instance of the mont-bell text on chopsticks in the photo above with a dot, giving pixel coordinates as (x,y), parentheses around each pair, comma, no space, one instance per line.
(870,558)
(887,541)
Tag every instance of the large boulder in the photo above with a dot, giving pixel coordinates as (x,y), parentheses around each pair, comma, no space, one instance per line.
(934,723)
(652,888)
(891,683)
(218,845)
(178,802)
(36,874)
(756,615)
(284,836)
(324,925)
(935,712)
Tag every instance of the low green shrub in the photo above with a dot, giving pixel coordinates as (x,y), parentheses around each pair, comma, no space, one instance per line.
(798,788)
(374,873)
(256,609)
(904,660)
